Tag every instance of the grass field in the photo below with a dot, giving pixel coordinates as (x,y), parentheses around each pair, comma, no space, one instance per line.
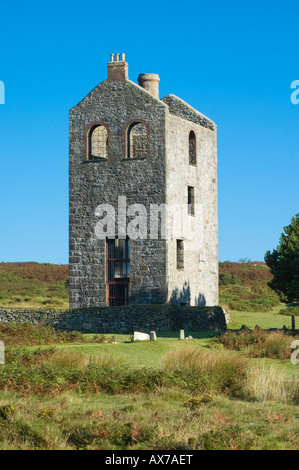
(170,394)
(81,391)
(271,319)
(33,285)
(242,286)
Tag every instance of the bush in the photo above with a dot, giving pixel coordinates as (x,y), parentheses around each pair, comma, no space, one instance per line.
(284,262)
(230,437)
(228,278)
(274,345)
(290,310)
(217,372)
(53,371)
(5,412)
(17,333)
(33,284)
(243,287)
(41,271)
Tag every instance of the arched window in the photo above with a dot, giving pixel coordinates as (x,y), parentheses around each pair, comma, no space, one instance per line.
(137,140)
(98,143)
(192,148)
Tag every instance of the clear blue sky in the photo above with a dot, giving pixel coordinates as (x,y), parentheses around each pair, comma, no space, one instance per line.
(233,61)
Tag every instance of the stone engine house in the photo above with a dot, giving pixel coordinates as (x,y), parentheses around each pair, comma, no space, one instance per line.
(129,146)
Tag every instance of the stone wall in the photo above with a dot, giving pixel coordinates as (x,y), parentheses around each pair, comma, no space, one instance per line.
(125,319)
(141,180)
(197,283)
(160,177)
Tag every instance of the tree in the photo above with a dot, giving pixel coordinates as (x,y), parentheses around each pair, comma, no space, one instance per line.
(284,263)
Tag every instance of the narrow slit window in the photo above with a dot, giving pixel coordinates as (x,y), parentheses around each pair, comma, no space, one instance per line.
(191,202)
(192,148)
(179,254)
(98,143)
(137,140)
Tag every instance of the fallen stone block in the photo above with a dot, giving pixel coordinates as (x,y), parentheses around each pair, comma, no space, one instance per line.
(138,336)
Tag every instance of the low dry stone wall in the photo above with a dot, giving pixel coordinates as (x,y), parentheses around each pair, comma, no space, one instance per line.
(123,319)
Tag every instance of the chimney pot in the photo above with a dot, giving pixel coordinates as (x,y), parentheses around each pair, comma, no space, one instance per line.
(150,82)
(117,69)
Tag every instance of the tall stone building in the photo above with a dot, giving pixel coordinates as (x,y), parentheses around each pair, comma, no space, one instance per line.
(148,167)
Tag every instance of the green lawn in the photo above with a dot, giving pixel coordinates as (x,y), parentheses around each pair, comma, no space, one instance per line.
(150,353)
(81,394)
(265,320)
(50,400)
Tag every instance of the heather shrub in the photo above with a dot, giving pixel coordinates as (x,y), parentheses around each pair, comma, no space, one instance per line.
(41,271)
(244,287)
(31,285)
(258,343)
(17,333)
(228,278)
(230,437)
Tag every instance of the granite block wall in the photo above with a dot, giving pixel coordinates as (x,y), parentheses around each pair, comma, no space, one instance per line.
(123,319)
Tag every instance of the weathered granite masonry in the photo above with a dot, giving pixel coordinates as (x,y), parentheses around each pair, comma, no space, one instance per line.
(162,176)
(124,319)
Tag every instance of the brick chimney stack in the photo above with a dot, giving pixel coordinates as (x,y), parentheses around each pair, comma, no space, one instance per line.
(118,67)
